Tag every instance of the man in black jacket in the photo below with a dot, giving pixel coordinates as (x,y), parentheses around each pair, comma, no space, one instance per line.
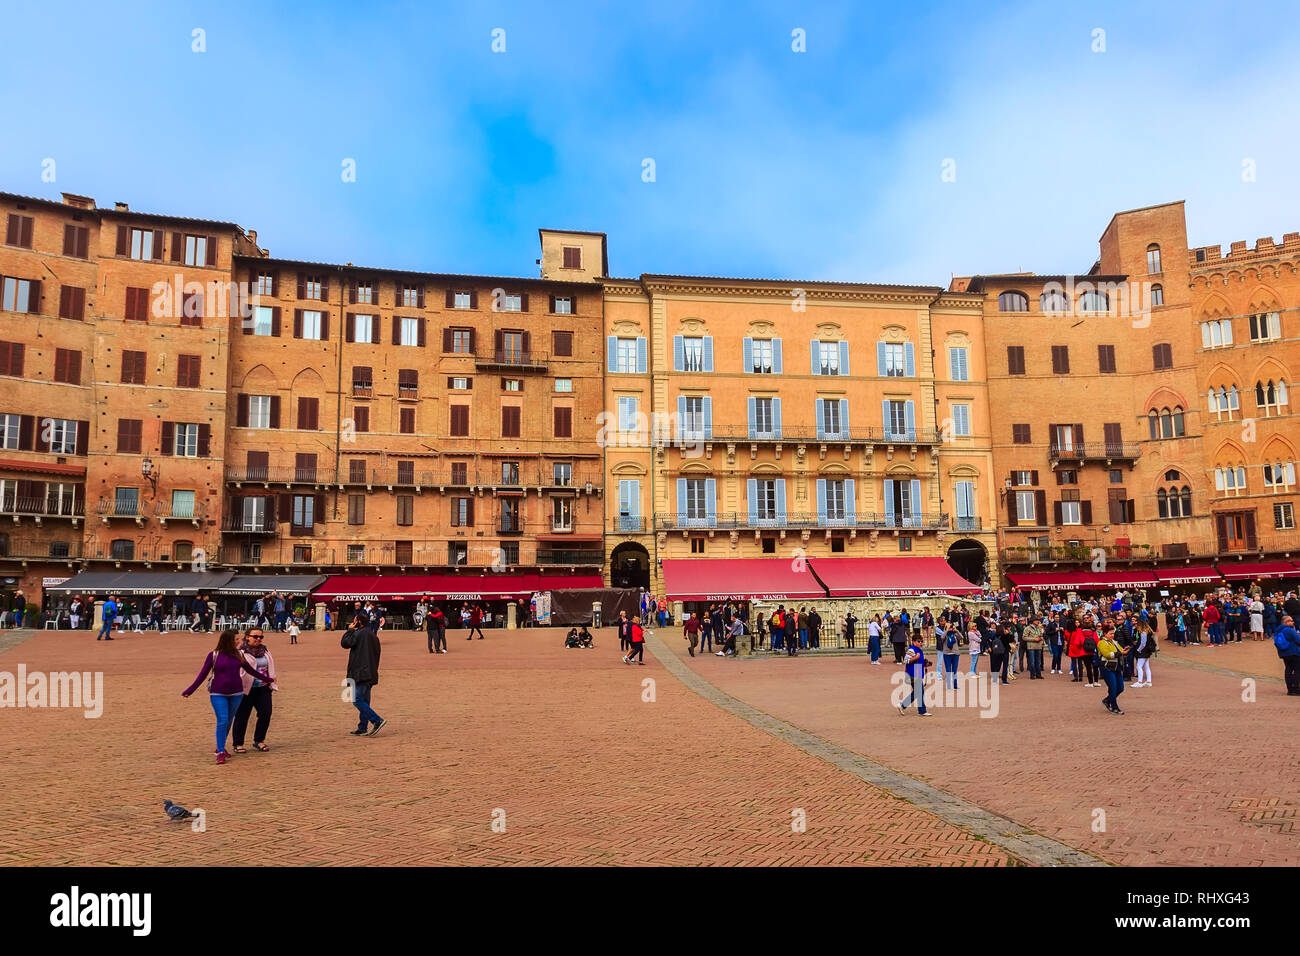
(363,673)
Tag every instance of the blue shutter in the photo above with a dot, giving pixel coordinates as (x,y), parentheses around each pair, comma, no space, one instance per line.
(751,492)
(681,415)
(711,501)
(776,357)
(909,360)
(844,417)
(821,428)
(635,490)
(747,354)
(681,502)
(708,353)
(708,416)
(880,358)
(679,354)
(780,500)
(821,501)
(910,417)
(889,503)
(814,349)
(884,418)
(749,403)
(611,357)
(916,503)
(850,506)
(640,353)
(844,358)
(776,417)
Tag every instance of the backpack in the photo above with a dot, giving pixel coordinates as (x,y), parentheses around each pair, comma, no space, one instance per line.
(1090,645)
(952,640)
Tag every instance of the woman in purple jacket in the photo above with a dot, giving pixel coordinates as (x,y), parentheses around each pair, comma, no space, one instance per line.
(226,688)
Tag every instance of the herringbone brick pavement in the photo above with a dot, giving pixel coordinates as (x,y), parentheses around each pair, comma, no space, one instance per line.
(558,740)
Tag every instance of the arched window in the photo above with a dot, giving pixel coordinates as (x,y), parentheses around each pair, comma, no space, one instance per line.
(1157,295)
(1166,424)
(1172,475)
(1153,421)
(1179,431)
(1013,302)
(1094,301)
(1153,259)
(182,550)
(1054,300)
(1162,503)
(1187,501)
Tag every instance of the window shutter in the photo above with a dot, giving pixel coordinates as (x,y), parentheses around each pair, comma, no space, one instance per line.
(844,417)
(910,413)
(178,246)
(324,290)
(821,500)
(679,353)
(275,411)
(397,330)
(1249,519)
(880,358)
(523,302)
(168,438)
(39,430)
(123,241)
(1011,508)
(325,326)
(65,302)
(844,358)
(241,412)
(297,323)
(157,245)
(711,501)
(498,342)
(420,323)
(473,299)
(751,493)
(1057,512)
(640,353)
(776,417)
(352,293)
(69,239)
(1040,505)
(777,365)
(1085,511)
(34,303)
(889,503)
(205,441)
(74,368)
(818,412)
(302,286)
(749,403)
(909,359)
(747,354)
(349,325)
(780,500)
(681,502)
(814,350)
(275,321)
(11,231)
(1033,477)
(708,353)
(285,504)
(551,304)
(212,251)
(1078,437)
(850,502)
(450,302)
(83,437)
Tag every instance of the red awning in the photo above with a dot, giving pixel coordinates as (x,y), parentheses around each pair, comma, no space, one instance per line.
(1247,570)
(864,577)
(726,579)
(565,582)
(1080,580)
(1191,574)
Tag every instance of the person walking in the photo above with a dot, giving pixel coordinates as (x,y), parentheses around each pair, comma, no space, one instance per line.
(691,629)
(638,644)
(1144,648)
(1213,622)
(1287,641)
(734,630)
(873,639)
(998,649)
(1110,656)
(914,662)
(110,614)
(1088,656)
(257,693)
(226,687)
(475,622)
(435,626)
(363,648)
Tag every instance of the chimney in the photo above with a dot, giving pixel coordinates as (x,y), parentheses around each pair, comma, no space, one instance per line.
(252,236)
(81,202)
(121,207)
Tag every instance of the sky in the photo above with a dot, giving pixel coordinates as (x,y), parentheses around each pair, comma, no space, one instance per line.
(905,143)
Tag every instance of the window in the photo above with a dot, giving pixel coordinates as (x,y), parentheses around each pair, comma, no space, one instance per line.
(463,300)
(1020,434)
(510,421)
(264,320)
(827,358)
(76,241)
(192,309)
(461,341)
(1015,360)
(905,543)
(764,421)
(309,414)
(1013,302)
(1279,475)
(462,512)
(361,418)
(1054,301)
(762,353)
(1026,512)
(1105,358)
(1283,516)
(142,244)
(1166,422)
(694,421)
(19,231)
(406,421)
(562,343)
(72,303)
(697,545)
(509,552)
(961,420)
(1162,356)
(692,354)
(829,421)
(196,250)
(405,510)
(137,305)
(412,297)
(20,295)
(627,355)
(189,370)
(561,514)
(362,381)
(409,331)
(1263,327)
(458,383)
(835,500)
(304,511)
(564,423)
(122,549)
(1094,301)
(562,474)
(902,502)
(572,257)
(1153,259)
(356,553)
(958,368)
(564,384)
(562,305)
(769,545)
(11,358)
(1116,476)
(1157,295)
(694,505)
(310,287)
(1061,359)
(1174,502)
(1224,401)
(365,329)
(512,385)
(129,435)
(1216,334)
(1067,476)
(627,414)
(508,302)
(266,284)
(185,440)
(259,411)
(1019,478)
(1071,512)
(459,421)
(899,420)
(182,504)
(895,360)
(67,366)
(126,502)
(1230,480)
(1270,396)
(364,293)
(63,435)
(764,505)
(356,509)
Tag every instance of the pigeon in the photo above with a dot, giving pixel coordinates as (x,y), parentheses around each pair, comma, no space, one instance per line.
(176,812)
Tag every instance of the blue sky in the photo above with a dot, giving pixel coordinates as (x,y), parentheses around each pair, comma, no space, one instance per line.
(825,164)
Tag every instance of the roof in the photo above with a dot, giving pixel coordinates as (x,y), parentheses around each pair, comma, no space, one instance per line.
(811,283)
(142,582)
(261,584)
(439,276)
(1125,212)
(104,211)
(1029,278)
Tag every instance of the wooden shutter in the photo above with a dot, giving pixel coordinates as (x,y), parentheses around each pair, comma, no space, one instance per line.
(1221,530)
(241,413)
(158,245)
(302,286)
(526,341)
(349,324)
(178,246)
(420,323)
(325,325)
(74,367)
(205,441)
(69,240)
(1040,506)
(34,303)
(123,241)
(297,323)
(168,438)
(212,251)
(275,411)
(1078,438)
(324,289)
(285,503)
(1012,518)
(1085,512)
(397,330)
(523,302)
(83,437)
(1248,518)
(550,300)
(275,321)
(498,338)
(473,299)
(419,297)
(11,230)
(1057,512)
(451,299)
(446,338)
(83,242)
(473,338)
(1033,477)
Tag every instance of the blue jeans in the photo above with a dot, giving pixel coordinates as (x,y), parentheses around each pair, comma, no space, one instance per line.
(873,646)
(950,664)
(224,706)
(915,692)
(107,629)
(974,663)
(1114,679)
(1056,656)
(803,637)
(706,640)
(361,700)
(1036,662)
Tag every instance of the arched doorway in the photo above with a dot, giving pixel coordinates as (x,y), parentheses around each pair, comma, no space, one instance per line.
(969,559)
(629,566)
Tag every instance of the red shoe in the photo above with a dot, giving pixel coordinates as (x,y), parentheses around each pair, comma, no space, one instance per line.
(221,757)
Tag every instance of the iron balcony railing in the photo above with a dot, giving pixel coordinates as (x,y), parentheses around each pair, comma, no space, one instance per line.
(629,524)
(801,520)
(1094,451)
(586,559)
(280,475)
(119,508)
(864,434)
(36,549)
(46,507)
(518,359)
(239,523)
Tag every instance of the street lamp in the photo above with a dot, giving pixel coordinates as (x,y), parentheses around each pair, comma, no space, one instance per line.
(148,471)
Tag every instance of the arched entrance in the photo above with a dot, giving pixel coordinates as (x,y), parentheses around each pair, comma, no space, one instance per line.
(969,559)
(629,566)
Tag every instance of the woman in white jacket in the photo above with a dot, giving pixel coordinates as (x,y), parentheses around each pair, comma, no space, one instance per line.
(973,637)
